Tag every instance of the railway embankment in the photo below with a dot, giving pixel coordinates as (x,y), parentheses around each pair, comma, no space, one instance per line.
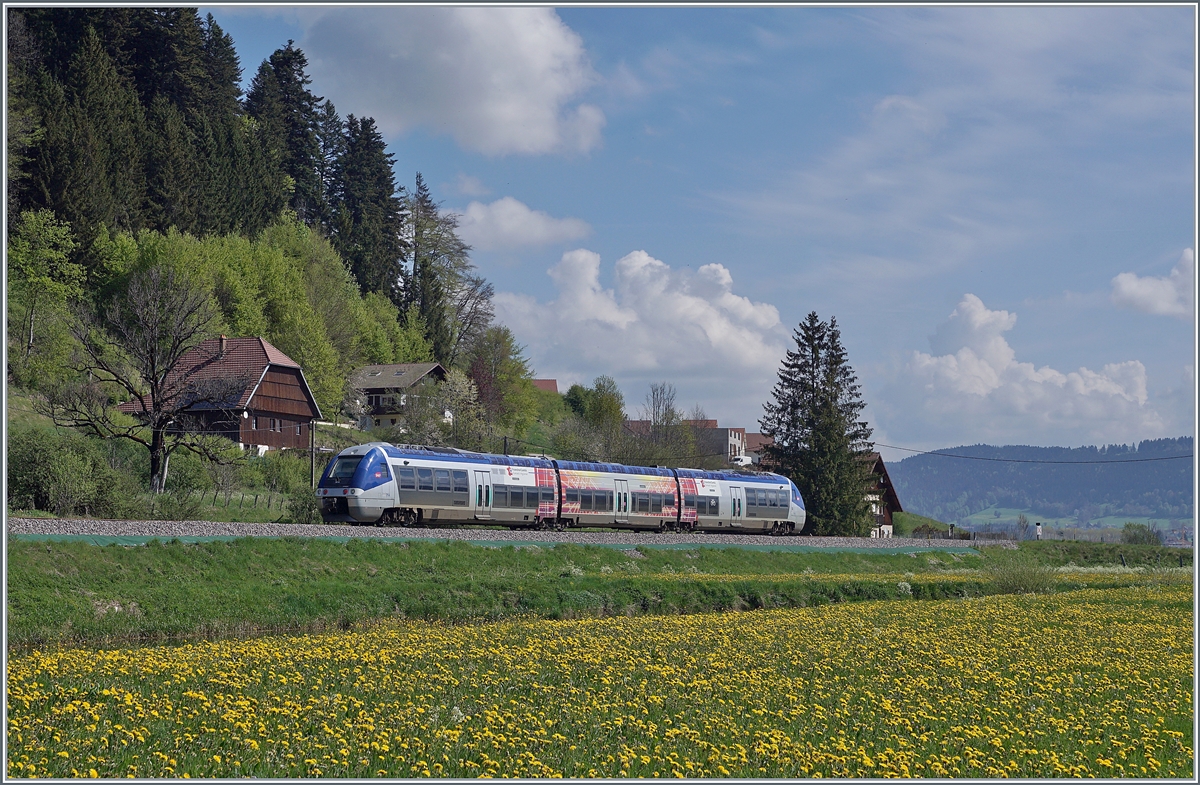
(130,532)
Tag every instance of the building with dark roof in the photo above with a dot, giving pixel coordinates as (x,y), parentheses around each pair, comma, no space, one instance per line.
(274,409)
(384,389)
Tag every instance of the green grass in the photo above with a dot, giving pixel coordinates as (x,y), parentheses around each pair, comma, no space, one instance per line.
(71,592)
(903,523)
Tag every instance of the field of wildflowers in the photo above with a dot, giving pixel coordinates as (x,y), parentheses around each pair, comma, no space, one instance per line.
(1086,682)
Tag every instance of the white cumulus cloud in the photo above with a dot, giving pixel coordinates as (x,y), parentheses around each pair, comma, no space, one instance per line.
(508,223)
(499,80)
(656,323)
(973,386)
(1171,295)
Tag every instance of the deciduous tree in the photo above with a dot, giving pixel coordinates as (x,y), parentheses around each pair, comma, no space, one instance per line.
(131,350)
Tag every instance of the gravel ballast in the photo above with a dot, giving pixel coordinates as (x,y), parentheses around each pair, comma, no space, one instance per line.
(170,529)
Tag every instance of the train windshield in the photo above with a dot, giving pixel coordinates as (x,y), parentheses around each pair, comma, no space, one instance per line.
(342,471)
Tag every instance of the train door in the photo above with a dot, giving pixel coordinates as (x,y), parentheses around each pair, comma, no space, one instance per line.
(621,503)
(483,495)
(735,505)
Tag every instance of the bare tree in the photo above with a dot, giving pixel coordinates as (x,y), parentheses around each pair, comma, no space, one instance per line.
(133,350)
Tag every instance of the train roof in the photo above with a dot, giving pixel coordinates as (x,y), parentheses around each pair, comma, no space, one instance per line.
(456,455)
(733,475)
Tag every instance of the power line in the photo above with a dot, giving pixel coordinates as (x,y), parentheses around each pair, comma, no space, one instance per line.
(1026,460)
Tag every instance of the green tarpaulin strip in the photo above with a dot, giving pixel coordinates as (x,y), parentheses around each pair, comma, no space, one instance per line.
(98,539)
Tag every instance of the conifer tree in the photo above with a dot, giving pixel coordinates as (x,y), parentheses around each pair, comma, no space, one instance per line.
(279,99)
(820,440)
(369,220)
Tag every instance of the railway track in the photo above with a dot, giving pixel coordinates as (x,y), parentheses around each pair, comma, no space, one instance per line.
(47,527)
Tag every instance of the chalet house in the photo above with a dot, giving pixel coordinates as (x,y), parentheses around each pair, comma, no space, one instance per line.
(270,405)
(882,497)
(384,389)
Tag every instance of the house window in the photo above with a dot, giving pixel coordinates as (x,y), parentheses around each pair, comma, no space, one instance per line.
(298,429)
(254,423)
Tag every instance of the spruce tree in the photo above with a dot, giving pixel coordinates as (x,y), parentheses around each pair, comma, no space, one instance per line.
(279,99)
(429,244)
(820,439)
(368,223)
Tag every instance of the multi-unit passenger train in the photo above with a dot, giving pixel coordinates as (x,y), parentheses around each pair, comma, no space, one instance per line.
(406,485)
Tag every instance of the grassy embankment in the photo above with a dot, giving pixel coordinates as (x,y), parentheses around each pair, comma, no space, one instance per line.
(71,592)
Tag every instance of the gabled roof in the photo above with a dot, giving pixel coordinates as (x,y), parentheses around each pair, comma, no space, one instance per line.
(549,385)
(880,470)
(247,358)
(397,375)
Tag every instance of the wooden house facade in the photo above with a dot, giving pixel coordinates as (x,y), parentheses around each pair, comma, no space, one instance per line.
(271,405)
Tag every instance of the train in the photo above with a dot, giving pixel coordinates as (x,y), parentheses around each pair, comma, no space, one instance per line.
(412,485)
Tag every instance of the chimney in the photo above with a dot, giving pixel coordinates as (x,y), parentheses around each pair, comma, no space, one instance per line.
(221,347)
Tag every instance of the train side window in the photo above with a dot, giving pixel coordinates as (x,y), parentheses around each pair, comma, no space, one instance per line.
(408,479)
(531,498)
(714,505)
(460,482)
(775,498)
(425,479)
(547,495)
(499,495)
(571,495)
(750,498)
(585,500)
(608,500)
(689,501)
(443,479)
(643,502)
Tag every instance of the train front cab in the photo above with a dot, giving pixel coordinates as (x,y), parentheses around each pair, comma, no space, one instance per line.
(356,486)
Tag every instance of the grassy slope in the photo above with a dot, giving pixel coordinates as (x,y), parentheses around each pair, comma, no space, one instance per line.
(78,592)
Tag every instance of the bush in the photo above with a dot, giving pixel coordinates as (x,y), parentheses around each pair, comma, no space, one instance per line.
(1140,534)
(303,507)
(66,473)
(1020,574)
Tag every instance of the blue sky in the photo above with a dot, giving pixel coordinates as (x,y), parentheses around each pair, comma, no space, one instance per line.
(997,204)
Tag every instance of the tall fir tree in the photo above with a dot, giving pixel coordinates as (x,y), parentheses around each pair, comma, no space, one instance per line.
(368,224)
(280,101)
(331,140)
(90,168)
(428,249)
(820,439)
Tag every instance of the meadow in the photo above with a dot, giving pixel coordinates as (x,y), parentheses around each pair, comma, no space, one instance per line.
(1088,682)
(75,593)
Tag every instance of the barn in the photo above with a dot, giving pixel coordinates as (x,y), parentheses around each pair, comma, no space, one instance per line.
(275,409)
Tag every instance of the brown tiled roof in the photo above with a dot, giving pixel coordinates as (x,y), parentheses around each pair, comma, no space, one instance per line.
(757,441)
(248,357)
(397,375)
(549,385)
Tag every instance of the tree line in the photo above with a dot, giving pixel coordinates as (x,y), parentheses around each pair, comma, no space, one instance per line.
(126,120)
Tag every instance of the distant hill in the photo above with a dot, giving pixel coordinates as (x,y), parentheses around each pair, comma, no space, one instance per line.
(950,489)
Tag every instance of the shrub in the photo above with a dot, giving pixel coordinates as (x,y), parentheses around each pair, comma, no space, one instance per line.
(66,473)
(1140,534)
(1020,574)
(303,507)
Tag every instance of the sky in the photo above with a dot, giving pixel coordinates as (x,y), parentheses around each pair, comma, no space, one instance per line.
(997,204)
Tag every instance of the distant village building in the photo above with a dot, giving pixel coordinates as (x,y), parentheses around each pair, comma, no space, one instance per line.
(275,410)
(549,385)
(384,389)
(756,447)
(710,440)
